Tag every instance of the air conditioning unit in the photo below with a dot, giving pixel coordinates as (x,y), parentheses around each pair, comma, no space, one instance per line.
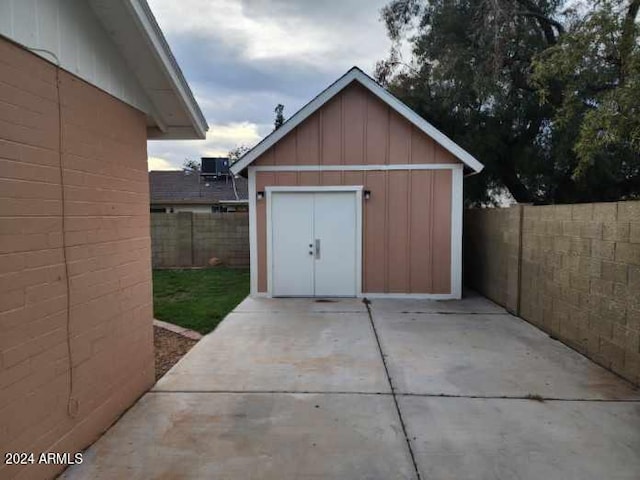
(214,167)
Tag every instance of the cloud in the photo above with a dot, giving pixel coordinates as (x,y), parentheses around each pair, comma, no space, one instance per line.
(268,30)
(170,155)
(243,57)
(155,163)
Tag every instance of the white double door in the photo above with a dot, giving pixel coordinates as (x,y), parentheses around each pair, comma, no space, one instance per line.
(313,244)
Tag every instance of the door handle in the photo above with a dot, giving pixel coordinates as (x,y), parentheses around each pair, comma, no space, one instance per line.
(317,249)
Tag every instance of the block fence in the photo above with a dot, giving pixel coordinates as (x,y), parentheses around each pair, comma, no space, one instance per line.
(187,239)
(571,270)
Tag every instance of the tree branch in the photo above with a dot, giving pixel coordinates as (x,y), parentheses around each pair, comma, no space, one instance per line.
(546,23)
(627,39)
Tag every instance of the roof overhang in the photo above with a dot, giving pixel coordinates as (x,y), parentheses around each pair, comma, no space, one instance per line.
(357,75)
(175,114)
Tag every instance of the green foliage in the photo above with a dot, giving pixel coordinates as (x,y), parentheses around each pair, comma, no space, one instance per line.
(192,165)
(597,63)
(237,153)
(198,299)
(494,76)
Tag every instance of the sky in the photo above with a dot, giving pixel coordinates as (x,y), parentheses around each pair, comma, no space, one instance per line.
(243,57)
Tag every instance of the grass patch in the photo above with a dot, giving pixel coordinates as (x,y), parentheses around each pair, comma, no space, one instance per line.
(198,299)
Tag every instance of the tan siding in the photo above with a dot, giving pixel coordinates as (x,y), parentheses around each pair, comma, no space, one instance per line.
(441,232)
(407,221)
(399,139)
(398,261)
(406,226)
(308,142)
(354,104)
(355,127)
(107,235)
(420,250)
(374,234)
(331,115)
(377,131)
(263,180)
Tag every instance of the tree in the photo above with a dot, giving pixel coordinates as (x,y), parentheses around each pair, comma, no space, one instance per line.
(597,63)
(237,153)
(483,72)
(279,110)
(191,165)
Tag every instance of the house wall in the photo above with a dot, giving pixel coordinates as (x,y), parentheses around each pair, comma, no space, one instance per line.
(571,270)
(102,216)
(70,30)
(407,220)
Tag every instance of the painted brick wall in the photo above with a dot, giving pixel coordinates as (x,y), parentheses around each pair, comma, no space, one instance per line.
(188,239)
(577,273)
(106,230)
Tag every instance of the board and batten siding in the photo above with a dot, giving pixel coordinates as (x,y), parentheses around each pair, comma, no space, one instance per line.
(407,219)
(406,226)
(355,128)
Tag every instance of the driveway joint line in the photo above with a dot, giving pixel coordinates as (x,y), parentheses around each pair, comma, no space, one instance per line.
(408,394)
(367,304)
(454,313)
(274,392)
(520,397)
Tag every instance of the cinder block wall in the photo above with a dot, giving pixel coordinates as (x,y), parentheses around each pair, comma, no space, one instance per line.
(188,239)
(106,229)
(491,250)
(577,273)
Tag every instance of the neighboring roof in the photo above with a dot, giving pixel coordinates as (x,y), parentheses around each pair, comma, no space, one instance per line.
(135,32)
(357,75)
(180,187)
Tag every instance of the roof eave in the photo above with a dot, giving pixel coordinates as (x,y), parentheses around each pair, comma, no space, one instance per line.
(151,30)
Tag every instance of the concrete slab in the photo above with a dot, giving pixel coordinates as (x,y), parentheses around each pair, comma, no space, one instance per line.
(488,355)
(292,352)
(252,436)
(498,439)
(301,305)
(471,303)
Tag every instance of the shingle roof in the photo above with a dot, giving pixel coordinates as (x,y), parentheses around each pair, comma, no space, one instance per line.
(176,186)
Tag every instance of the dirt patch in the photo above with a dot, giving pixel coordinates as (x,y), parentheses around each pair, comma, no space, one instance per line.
(169,347)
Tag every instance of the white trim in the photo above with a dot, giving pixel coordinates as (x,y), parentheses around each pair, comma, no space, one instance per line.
(269,190)
(456,233)
(359,239)
(253,233)
(410,296)
(314,189)
(269,234)
(355,74)
(147,22)
(359,168)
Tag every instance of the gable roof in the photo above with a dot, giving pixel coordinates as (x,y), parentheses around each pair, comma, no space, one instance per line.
(357,75)
(180,187)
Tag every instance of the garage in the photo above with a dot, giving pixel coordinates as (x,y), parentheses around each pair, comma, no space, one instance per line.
(356,195)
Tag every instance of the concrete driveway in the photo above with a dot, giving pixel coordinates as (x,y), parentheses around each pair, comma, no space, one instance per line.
(304,389)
